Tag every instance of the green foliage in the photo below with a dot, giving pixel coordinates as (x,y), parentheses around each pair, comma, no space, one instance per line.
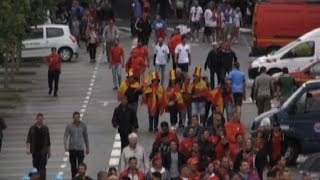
(16,16)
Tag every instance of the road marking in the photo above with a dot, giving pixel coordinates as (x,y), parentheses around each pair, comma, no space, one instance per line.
(84,107)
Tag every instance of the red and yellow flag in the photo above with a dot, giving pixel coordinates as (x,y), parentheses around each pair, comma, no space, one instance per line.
(124,87)
(215,97)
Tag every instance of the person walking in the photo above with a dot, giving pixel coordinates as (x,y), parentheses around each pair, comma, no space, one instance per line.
(125,120)
(195,17)
(228,22)
(238,84)
(198,90)
(287,85)
(75,137)
(134,150)
(263,91)
(161,58)
(54,70)
(144,29)
(214,63)
(136,14)
(131,89)
(106,14)
(229,57)
(132,171)
(137,64)
(117,63)
(183,55)
(173,43)
(3,126)
(38,145)
(93,40)
(75,29)
(153,96)
(110,35)
(209,24)
(160,27)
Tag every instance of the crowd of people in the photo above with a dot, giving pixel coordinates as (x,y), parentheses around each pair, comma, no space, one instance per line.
(214,144)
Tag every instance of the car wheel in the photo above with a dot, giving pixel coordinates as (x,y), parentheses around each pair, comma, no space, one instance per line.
(66,54)
(292,153)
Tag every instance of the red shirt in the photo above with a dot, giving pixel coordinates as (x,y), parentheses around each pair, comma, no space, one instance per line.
(186,146)
(172,136)
(137,64)
(142,51)
(174,41)
(227,94)
(233,128)
(276,146)
(138,173)
(116,53)
(54,61)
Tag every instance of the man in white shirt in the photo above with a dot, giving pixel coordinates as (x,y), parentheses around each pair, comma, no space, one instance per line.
(228,22)
(195,19)
(183,55)
(209,24)
(161,58)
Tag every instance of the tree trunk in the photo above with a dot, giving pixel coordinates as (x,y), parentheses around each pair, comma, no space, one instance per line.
(6,72)
(18,58)
(12,64)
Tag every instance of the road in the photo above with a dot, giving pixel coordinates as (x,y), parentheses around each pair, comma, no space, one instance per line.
(87,88)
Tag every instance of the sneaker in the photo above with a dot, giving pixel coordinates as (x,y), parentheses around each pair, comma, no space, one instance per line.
(50,91)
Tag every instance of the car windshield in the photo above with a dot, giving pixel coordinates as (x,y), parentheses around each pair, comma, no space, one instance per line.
(286,47)
(291,98)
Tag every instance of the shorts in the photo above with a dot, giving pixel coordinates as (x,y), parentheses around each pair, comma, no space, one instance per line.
(237,97)
(228,29)
(183,66)
(208,30)
(198,108)
(195,25)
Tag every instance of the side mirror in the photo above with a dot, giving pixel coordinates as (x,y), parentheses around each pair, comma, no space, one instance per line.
(292,109)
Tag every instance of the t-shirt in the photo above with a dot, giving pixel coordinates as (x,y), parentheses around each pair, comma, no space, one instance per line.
(237,19)
(263,85)
(238,79)
(39,139)
(208,19)
(196,13)
(287,85)
(54,61)
(116,54)
(183,52)
(161,54)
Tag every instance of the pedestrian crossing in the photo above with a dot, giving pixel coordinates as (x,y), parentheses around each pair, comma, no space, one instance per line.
(74,81)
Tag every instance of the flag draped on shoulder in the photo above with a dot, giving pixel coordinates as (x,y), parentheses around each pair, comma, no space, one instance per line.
(125,86)
(215,97)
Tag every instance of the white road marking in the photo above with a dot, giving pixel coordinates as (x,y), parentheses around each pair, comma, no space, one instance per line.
(114,162)
(115,153)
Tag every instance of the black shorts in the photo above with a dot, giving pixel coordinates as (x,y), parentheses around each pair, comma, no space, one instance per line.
(237,98)
(183,66)
(208,31)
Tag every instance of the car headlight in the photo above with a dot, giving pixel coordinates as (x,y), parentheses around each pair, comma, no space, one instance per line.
(265,122)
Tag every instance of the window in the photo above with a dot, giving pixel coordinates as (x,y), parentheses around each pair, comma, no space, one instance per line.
(315,69)
(54,32)
(309,102)
(305,49)
(36,33)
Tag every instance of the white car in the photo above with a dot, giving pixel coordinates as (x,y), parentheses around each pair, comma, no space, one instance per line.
(44,37)
(297,54)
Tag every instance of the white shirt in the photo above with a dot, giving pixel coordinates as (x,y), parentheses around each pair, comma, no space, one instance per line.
(237,19)
(161,54)
(196,13)
(183,52)
(229,16)
(208,19)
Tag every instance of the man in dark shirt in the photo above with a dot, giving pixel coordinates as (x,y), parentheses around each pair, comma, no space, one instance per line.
(143,27)
(125,120)
(228,59)
(213,62)
(38,144)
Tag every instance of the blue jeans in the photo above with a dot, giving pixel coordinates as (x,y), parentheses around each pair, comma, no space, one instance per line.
(228,109)
(161,68)
(153,121)
(116,75)
(198,108)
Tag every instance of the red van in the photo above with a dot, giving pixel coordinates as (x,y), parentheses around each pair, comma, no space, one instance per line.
(278,22)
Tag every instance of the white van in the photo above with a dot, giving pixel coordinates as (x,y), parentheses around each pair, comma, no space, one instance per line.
(43,37)
(297,54)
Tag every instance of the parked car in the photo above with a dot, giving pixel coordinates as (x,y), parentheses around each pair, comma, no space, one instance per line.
(304,74)
(43,37)
(299,118)
(278,22)
(304,50)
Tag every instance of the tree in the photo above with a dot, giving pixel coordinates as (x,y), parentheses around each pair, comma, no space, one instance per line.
(16,18)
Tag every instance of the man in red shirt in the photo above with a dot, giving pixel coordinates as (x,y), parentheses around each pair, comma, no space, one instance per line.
(132,172)
(54,63)
(142,51)
(276,144)
(235,127)
(173,43)
(137,63)
(172,135)
(117,63)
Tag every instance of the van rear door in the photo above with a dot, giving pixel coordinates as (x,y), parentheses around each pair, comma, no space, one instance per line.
(305,121)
